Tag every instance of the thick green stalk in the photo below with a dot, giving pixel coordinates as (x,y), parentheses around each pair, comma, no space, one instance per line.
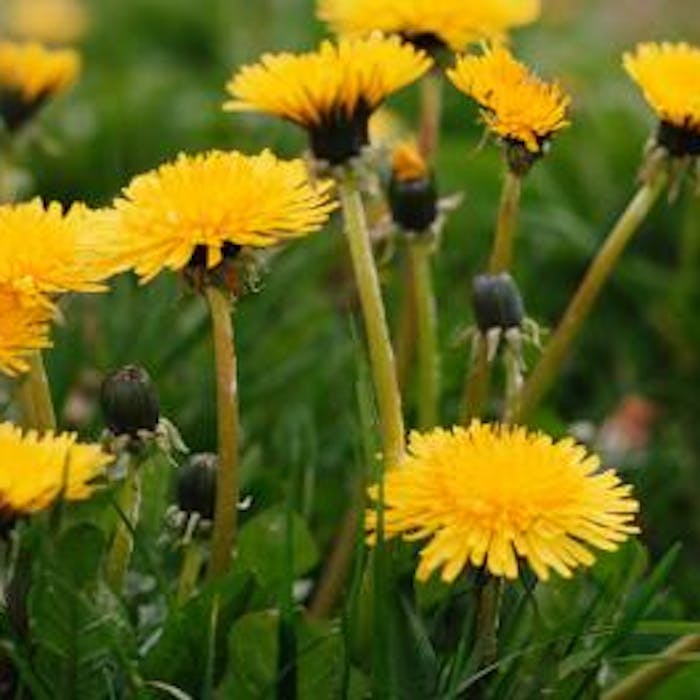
(431,110)
(649,676)
(558,347)
(427,327)
(487,621)
(35,396)
(227,482)
(189,571)
(119,555)
(381,354)
(479,374)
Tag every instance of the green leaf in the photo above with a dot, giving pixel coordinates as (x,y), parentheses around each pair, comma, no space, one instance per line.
(262,548)
(181,654)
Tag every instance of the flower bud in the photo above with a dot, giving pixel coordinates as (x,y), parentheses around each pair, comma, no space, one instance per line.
(129,401)
(196,485)
(497,302)
(412,192)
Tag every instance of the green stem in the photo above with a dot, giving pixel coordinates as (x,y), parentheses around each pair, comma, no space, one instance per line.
(479,375)
(35,396)
(649,676)
(431,109)
(427,326)
(381,354)
(487,622)
(502,253)
(119,555)
(405,337)
(557,348)
(227,486)
(189,571)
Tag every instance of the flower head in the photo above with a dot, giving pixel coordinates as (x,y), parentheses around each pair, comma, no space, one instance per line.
(669,76)
(44,250)
(24,328)
(407,163)
(413,196)
(516,105)
(330,92)
(49,21)
(429,23)
(209,205)
(35,471)
(490,495)
(29,75)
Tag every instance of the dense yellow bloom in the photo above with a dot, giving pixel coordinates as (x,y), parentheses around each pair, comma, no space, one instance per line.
(48,21)
(516,104)
(24,328)
(454,23)
(214,200)
(332,91)
(35,471)
(490,495)
(669,76)
(407,163)
(46,251)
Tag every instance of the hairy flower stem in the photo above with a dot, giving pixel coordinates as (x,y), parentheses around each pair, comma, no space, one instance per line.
(405,336)
(489,595)
(189,571)
(35,396)
(479,374)
(129,502)
(227,485)
(431,110)
(381,354)
(556,350)
(649,676)
(427,327)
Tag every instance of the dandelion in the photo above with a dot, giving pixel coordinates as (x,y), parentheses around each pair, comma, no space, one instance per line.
(669,77)
(331,92)
(30,75)
(494,495)
(196,214)
(24,329)
(516,105)
(39,470)
(46,250)
(429,24)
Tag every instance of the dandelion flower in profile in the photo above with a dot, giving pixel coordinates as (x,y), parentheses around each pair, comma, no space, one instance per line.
(203,208)
(516,105)
(47,21)
(44,250)
(331,92)
(493,495)
(31,74)
(36,471)
(24,329)
(429,24)
(669,77)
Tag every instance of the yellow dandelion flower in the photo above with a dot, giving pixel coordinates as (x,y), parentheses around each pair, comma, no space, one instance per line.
(35,471)
(669,77)
(47,21)
(407,163)
(205,207)
(331,92)
(429,23)
(491,495)
(516,105)
(24,328)
(46,251)
(30,74)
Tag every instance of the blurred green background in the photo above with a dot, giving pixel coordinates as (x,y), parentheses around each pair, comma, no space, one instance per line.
(153,86)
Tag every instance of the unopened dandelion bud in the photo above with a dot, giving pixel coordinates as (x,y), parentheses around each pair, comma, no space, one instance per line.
(129,401)
(412,191)
(196,485)
(497,302)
